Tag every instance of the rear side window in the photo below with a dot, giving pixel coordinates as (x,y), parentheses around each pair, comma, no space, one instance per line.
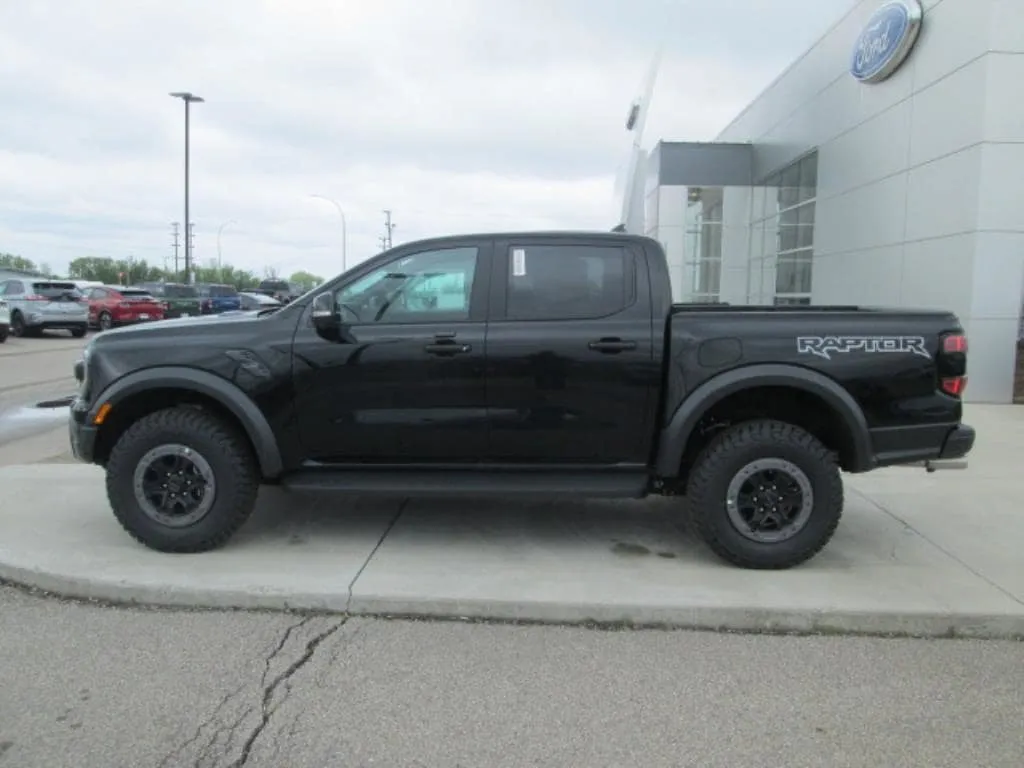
(53,290)
(563,282)
(223,290)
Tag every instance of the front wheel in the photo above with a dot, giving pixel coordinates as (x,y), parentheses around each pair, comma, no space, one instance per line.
(78,333)
(17,325)
(3,333)
(182,480)
(765,495)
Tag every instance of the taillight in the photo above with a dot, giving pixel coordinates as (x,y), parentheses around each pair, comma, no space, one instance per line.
(955,343)
(954,385)
(34,297)
(953,364)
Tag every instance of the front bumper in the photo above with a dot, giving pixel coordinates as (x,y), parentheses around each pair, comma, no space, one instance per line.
(83,437)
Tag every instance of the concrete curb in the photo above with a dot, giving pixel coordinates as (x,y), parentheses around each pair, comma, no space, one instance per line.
(752,619)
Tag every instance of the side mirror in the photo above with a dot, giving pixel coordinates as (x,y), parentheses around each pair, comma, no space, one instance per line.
(325,319)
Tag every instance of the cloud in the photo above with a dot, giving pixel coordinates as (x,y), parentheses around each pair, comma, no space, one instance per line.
(458,115)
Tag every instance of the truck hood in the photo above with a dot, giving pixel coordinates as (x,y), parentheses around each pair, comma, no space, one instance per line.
(183,326)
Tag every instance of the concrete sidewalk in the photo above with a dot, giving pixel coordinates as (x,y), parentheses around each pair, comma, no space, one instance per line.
(918,554)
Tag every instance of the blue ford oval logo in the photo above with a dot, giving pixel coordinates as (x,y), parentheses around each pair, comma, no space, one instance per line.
(887,40)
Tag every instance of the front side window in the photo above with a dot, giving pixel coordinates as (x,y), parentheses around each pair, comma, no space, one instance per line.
(421,287)
(561,282)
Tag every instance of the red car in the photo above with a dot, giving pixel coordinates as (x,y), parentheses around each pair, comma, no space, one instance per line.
(113,305)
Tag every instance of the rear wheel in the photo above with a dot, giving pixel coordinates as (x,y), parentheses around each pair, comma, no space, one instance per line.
(765,494)
(3,333)
(105,321)
(78,333)
(17,324)
(182,480)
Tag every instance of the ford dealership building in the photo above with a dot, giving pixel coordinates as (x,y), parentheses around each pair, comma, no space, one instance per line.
(884,167)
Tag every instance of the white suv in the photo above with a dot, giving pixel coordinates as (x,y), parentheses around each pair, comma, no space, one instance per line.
(37,304)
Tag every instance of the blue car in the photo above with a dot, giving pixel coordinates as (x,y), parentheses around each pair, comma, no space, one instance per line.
(216,298)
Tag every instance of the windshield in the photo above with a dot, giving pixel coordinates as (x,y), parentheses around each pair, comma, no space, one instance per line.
(56,290)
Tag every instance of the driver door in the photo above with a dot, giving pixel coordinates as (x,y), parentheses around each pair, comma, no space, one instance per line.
(405,382)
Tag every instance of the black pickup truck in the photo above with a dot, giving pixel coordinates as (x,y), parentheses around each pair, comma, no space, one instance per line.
(541,363)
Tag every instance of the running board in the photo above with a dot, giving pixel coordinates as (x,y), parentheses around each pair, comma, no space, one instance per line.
(420,482)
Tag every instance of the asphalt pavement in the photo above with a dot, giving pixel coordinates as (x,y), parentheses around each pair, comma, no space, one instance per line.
(86,685)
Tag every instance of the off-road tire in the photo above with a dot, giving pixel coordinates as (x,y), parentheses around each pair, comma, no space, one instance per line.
(230,457)
(723,458)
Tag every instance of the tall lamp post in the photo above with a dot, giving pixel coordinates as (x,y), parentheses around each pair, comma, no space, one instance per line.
(344,236)
(188,98)
(219,230)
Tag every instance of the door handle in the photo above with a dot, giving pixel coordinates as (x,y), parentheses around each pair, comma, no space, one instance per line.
(610,346)
(446,345)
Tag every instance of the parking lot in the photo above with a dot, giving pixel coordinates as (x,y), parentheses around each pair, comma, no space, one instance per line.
(32,371)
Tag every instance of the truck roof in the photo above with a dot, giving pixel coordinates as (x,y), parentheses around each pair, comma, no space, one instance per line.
(559,234)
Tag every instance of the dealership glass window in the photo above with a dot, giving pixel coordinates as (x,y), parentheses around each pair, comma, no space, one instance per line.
(782,235)
(702,244)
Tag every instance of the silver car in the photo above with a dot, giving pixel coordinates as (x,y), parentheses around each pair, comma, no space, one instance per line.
(37,304)
(5,320)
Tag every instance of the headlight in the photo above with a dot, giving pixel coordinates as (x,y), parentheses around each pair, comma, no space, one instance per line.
(81,367)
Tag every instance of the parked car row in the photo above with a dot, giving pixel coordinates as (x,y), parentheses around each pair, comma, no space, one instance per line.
(29,305)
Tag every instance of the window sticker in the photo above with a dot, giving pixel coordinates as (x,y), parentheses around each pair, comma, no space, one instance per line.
(518,262)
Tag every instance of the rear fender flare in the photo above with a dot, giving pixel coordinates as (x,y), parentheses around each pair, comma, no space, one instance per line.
(674,437)
(224,392)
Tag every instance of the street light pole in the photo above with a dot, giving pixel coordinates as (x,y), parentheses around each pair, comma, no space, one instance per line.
(188,98)
(344,235)
(221,229)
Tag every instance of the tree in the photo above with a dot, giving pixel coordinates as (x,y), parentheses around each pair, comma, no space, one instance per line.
(307,280)
(10,261)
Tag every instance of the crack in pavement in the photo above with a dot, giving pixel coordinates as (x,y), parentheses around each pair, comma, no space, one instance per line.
(212,748)
(387,531)
(266,709)
(166,761)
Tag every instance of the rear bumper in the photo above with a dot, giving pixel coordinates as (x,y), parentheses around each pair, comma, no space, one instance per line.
(927,445)
(959,442)
(62,324)
(133,320)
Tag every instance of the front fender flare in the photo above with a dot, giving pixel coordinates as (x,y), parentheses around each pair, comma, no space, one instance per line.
(674,437)
(224,392)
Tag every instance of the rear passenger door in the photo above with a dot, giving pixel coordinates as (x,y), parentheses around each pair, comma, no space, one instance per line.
(572,372)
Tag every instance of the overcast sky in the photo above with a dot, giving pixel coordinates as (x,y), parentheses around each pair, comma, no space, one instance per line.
(458,115)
